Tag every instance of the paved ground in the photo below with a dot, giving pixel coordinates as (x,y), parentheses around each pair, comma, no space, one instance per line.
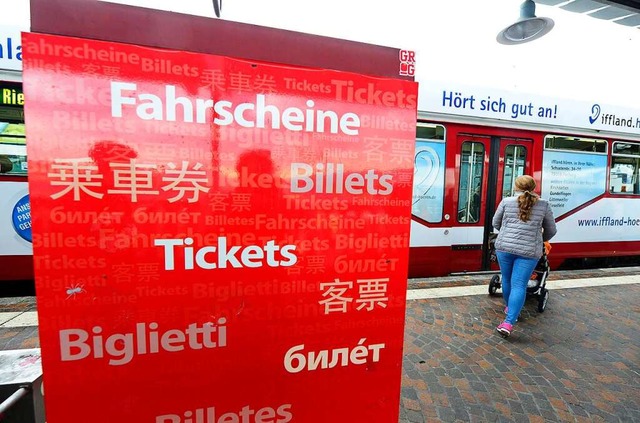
(579,361)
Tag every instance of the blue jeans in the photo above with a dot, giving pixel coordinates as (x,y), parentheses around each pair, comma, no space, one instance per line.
(516,272)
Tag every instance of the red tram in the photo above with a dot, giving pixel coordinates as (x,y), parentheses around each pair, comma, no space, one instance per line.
(464,170)
(469,149)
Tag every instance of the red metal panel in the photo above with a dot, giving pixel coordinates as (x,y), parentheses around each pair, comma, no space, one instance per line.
(230,242)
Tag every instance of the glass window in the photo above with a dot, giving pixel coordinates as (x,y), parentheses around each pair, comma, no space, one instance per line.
(13,151)
(574,171)
(428,131)
(626,149)
(428,173)
(470,186)
(625,162)
(588,145)
(515,158)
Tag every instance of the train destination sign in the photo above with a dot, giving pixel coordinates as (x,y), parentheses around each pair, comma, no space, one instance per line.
(11,95)
(216,240)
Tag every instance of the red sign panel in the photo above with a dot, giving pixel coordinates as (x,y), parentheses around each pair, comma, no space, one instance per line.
(216,241)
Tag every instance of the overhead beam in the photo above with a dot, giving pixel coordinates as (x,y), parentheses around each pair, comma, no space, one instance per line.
(157,28)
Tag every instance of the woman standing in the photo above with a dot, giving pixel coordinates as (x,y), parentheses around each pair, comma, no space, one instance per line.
(524,222)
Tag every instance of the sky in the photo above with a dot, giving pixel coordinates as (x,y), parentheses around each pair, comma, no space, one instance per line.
(582,58)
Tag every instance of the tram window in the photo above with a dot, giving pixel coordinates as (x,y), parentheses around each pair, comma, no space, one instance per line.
(626,149)
(515,157)
(589,145)
(625,165)
(13,151)
(470,185)
(428,180)
(428,131)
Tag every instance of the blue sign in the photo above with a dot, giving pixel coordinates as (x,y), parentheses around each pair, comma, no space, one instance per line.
(21,217)
(572,179)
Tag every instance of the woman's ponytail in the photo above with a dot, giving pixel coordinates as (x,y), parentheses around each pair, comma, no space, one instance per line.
(527,199)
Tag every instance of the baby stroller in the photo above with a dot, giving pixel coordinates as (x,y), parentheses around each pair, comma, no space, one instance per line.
(538,281)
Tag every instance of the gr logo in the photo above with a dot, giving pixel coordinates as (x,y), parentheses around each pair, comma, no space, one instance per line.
(407,63)
(595,113)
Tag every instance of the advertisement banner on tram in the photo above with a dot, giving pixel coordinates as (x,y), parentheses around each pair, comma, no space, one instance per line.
(513,106)
(10,47)
(218,240)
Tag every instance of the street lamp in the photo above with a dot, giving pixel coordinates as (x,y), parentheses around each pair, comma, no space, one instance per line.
(527,28)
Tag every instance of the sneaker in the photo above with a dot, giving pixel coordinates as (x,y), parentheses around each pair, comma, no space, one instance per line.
(505,329)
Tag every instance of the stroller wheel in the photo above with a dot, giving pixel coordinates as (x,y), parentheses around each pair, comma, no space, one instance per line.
(543,297)
(494,284)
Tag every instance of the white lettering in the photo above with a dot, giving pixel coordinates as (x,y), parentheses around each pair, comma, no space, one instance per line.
(117,101)
(330,178)
(173,107)
(236,256)
(297,360)
(246,414)
(120,348)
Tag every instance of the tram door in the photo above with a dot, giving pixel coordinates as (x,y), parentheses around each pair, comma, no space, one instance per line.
(513,160)
(487,167)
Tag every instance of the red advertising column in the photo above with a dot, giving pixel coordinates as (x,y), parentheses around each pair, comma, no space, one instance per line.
(216,240)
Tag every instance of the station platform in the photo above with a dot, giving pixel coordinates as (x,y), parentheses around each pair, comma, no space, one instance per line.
(578,361)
